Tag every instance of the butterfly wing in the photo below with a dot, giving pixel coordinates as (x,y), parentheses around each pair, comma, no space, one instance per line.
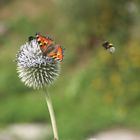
(59,54)
(44,43)
(56,53)
(48,47)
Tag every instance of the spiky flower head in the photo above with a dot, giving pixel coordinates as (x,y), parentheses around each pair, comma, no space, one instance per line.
(35,69)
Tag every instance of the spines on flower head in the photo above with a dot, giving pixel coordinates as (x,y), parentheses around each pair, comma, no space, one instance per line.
(35,69)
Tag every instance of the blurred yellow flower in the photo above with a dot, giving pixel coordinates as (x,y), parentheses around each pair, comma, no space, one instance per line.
(97,83)
(115,79)
(133,52)
(108,97)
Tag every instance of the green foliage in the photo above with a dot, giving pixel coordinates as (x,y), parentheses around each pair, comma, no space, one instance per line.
(100,18)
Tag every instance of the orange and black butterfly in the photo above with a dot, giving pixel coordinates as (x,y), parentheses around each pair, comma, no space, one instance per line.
(56,52)
(44,42)
(48,47)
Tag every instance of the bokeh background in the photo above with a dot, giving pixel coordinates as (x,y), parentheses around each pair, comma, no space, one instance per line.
(96,90)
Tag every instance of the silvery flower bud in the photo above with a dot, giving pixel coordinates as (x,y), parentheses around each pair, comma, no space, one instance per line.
(35,69)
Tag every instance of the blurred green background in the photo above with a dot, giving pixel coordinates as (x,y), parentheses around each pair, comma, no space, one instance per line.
(95,90)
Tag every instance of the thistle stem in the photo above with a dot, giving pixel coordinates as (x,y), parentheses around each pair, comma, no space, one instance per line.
(52,115)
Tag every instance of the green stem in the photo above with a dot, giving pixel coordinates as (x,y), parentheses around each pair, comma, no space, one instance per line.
(52,116)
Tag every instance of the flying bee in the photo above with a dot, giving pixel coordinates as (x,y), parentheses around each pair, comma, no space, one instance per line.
(109,47)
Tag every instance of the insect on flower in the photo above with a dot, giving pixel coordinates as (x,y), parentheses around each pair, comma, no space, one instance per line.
(38,66)
(108,46)
(38,61)
(48,47)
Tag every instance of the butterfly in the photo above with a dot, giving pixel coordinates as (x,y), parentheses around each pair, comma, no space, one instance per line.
(48,47)
(56,52)
(108,46)
(44,42)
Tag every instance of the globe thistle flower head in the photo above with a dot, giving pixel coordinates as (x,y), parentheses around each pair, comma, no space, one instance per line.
(35,69)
